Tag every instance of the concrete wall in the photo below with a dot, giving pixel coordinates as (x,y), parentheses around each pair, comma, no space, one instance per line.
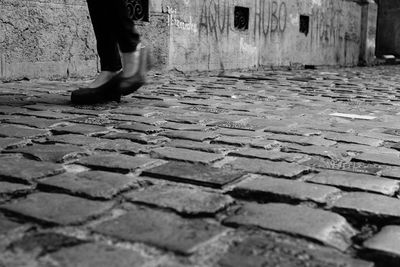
(203,35)
(54,39)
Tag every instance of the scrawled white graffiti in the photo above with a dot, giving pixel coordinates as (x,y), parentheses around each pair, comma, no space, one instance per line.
(174,20)
(248,49)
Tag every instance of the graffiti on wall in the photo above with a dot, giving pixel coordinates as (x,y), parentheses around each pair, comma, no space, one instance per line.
(327,24)
(176,21)
(269,18)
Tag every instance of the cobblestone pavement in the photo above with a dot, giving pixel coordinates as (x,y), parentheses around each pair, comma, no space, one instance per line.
(269,168)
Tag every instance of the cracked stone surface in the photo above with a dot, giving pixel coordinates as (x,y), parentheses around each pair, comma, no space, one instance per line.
(261,168)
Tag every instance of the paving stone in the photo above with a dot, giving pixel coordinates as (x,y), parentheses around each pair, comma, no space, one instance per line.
(357,181)
(272,168)
(343,165)
(206,147)
(183,126)
(292,131)
(271,250)
(84,129)
(369,205)
(386,159)
(267,154)
(97,120)
(265,144)
(120,145)
(267,188)
(7,225)
(138,138)
(381,136)
(21,132)
(119,163)
(347,138)
(236,132)
(34,122)
(326,227)
(57,208)
(13,142)
(97,255)
(391,172)
(93,184)
(39,244)
(53,153)
(140,119)
(386,242)
(194,174)
(186,155)
(27,171)
(184,200)
(140,127)
(48,114)
(7,188)
(235,140)
(322,151)
(191,135)
(161,229)
(301,140)
(74,139)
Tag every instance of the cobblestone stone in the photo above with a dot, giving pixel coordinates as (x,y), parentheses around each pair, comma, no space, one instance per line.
(386,243)
(194,174)
(7,188)
(120,163)
(27,171)
(186,155)
(269,155)
(74,139)
(7,225)
(191,135)
(43,243)
(271,250)
(97,255)
(57,208)
(94,184)
(369,205)
(206,147)
(84,129)
(12,143)
(140,127)
(323,226)
(52,153)
(267,188)
(184,200)
(21,132)
(379,159)
(161,229)
(272,168)
(357,181)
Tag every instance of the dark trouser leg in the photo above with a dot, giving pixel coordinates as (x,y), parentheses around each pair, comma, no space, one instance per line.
(127,36)
(106,37)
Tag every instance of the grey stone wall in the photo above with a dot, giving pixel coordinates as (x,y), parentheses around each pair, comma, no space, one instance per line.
(45,38)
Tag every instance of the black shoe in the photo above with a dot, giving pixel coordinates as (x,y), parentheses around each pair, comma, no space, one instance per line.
(101,94)
(131,84)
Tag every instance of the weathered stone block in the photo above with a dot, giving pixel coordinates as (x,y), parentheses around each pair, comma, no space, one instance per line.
(57,208)
(194,174)
(323,226)
(184,200)
(266,188)
(161,229)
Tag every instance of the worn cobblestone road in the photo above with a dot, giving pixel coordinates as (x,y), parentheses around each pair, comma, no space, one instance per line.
(271,168)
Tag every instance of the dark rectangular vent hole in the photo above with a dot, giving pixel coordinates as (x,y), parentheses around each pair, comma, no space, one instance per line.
(138,9)
(304,24)
(241,18)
